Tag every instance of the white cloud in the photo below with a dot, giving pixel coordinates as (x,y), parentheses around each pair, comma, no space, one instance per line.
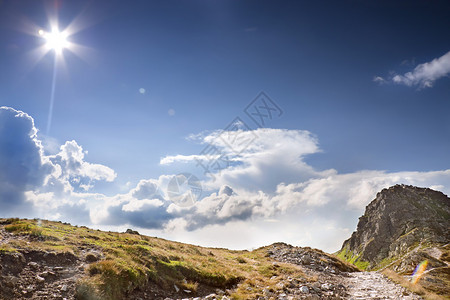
(259,159)
(379,79)
(22,164)
(423,75)
(170,159)
(74,167)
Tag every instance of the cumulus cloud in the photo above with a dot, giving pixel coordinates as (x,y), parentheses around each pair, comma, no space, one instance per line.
(256,159)
(22,166)
(143,206)
(424,75)
(33,184)
(75,169)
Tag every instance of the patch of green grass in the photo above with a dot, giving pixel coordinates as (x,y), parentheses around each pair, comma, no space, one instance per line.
(386,262)
(361,264)
(353,258)
(7,249)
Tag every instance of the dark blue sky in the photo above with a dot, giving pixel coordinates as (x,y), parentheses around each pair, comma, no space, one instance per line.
(202,62)
(208,59)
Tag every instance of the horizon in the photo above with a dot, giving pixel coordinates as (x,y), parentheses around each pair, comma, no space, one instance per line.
(222,124)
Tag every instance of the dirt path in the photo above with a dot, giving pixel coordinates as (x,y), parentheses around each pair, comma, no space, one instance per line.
(373,285)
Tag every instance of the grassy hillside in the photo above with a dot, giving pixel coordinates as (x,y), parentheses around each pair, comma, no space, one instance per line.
(116,264)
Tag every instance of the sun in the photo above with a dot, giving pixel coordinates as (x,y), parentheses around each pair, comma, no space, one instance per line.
(55,40)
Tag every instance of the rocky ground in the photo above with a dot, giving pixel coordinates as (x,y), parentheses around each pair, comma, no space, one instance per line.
(327,277)
(40,274)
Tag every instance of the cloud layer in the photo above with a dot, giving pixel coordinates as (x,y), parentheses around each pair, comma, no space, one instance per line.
(267,192)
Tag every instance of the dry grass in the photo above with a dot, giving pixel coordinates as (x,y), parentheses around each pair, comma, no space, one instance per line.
(415,288)
(130,261)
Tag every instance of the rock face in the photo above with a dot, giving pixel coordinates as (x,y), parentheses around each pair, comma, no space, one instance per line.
(402,227)
(398,220)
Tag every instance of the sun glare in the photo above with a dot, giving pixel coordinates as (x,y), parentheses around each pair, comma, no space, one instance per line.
(55,40)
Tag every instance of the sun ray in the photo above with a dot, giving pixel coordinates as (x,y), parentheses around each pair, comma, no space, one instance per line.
(52,96)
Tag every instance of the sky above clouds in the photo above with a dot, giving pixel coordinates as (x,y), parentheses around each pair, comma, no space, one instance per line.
(356,98)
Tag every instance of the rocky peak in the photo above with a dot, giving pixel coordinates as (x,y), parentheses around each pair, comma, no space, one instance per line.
(399,218)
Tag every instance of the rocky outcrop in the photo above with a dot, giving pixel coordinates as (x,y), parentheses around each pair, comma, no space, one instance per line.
(400,219)
(402,227)
(310,258)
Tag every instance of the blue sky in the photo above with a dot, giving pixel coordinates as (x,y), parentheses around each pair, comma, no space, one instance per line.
(363,87)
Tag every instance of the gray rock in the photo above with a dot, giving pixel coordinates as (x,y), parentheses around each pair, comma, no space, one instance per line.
(304,289)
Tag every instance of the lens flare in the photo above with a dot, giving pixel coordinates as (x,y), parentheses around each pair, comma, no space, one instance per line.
(418,272)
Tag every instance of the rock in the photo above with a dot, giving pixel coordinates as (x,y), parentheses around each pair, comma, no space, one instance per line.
(304,289)
(11,280)
(219,292)
(282,296)
(131,231)
(267,292)
(64,288)
(177,289)
(280,285)
(91,258)
(30,288)
(39,278)
(306,260)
